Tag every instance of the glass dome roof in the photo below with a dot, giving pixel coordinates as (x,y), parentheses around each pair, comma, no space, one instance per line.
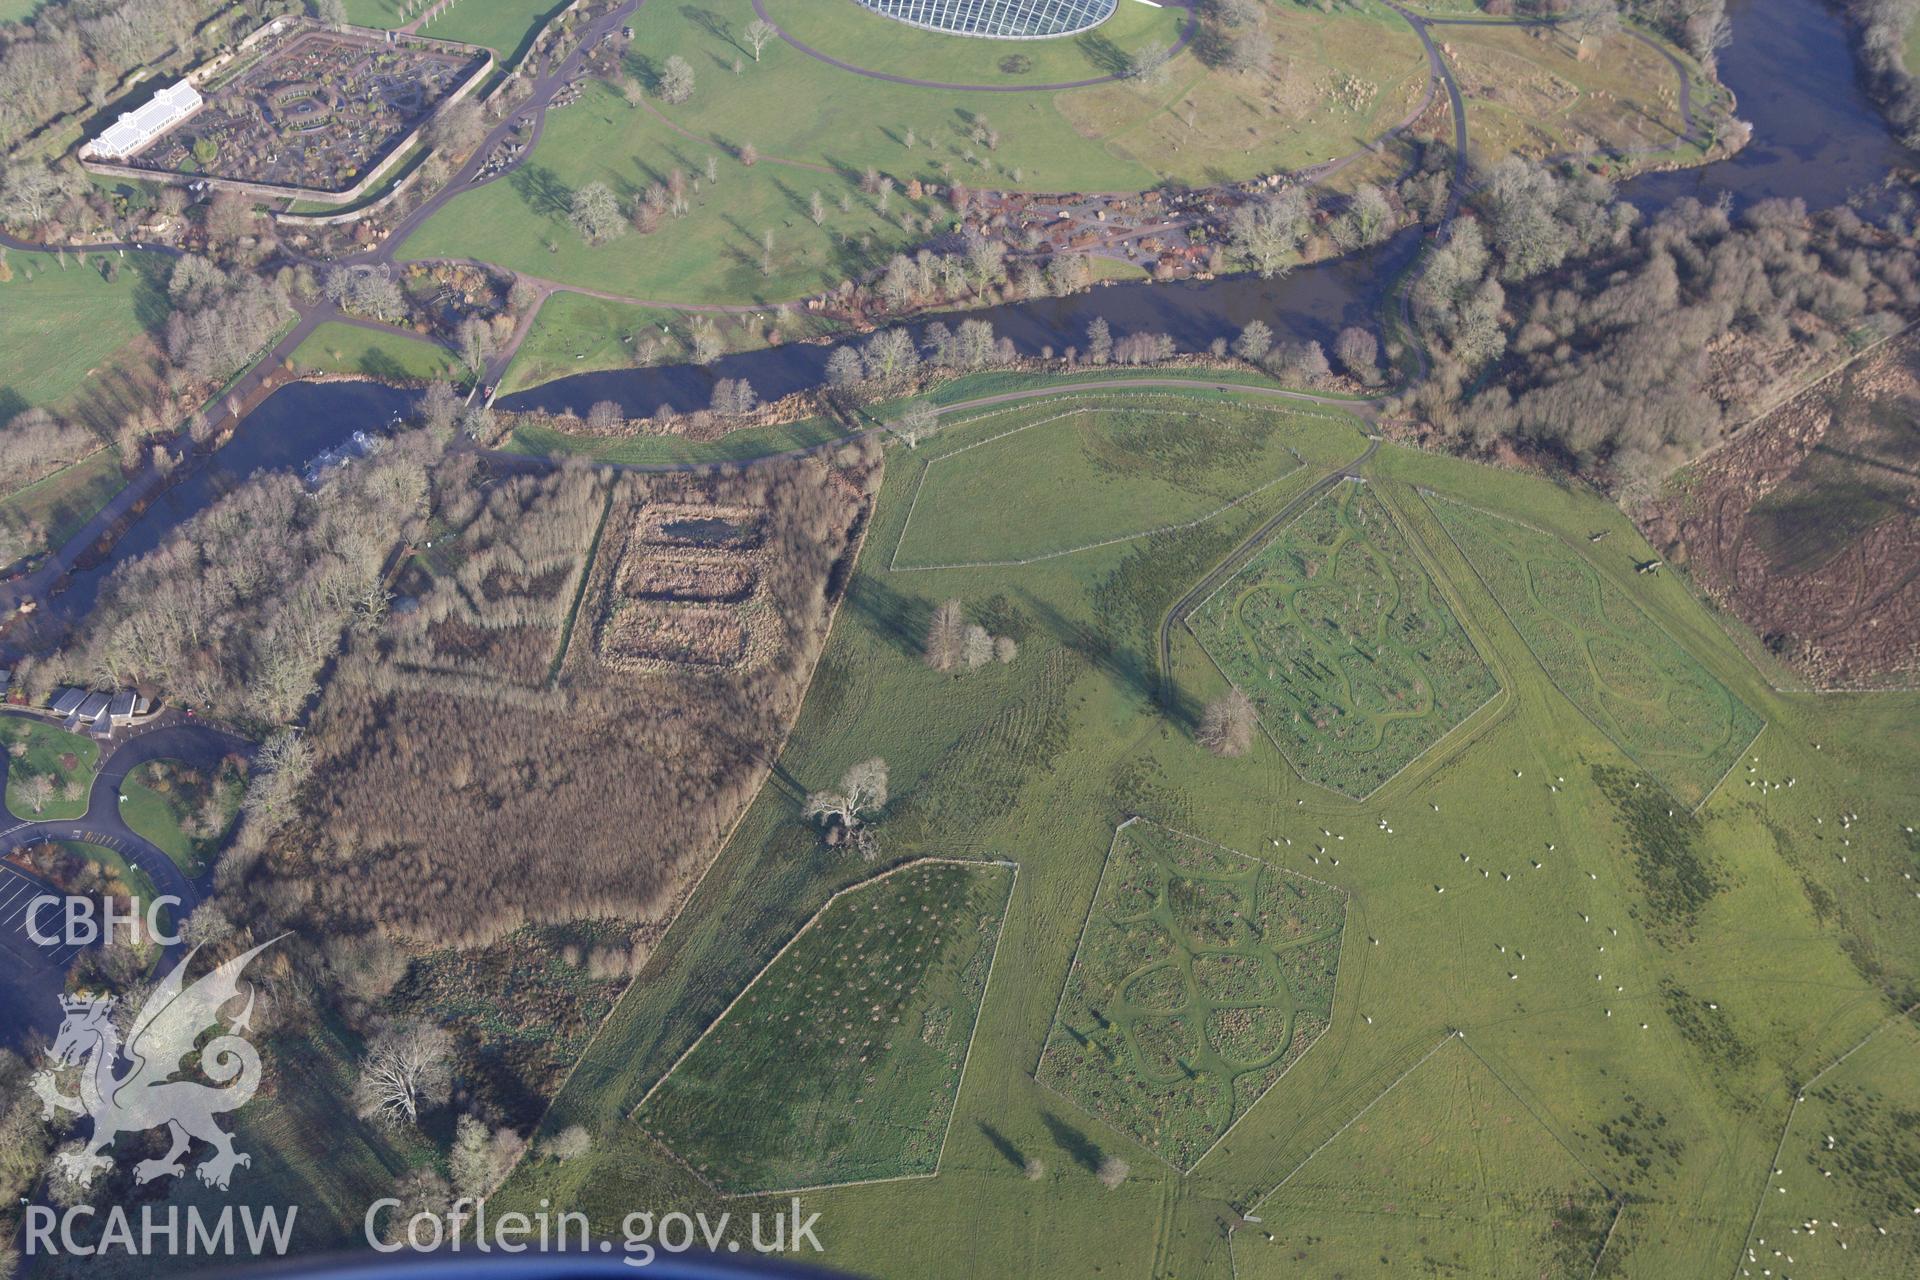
(999,19)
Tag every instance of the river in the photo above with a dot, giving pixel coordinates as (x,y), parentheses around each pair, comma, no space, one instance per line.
(1816,136)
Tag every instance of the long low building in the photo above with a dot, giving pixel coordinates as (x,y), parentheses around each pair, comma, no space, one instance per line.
(136,128)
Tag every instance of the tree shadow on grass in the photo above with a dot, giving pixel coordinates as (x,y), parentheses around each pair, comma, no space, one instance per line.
(1109,58)
(1082,1149)
(1008,1152)
(377,364)
(543,191)
(900,619)
(1121,665)
(712,23)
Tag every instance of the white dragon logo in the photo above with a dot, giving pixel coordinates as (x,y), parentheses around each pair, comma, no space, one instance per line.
(146,1097)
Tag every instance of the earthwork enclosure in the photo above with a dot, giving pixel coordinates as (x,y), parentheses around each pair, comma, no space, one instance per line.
(1345,645)
(688,592)
(1092,471)
(1202,975)
(841,1062)
(1447,1173)
(1656,701)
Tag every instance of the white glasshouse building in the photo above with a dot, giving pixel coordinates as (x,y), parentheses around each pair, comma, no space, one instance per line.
(136,128)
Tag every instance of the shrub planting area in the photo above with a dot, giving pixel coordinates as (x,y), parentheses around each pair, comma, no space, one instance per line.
(1087,472)
(1345,645)
(690,592)
(492,601)
(1843,1191)
(313,109)
(1638,685)
(1447,1173)
(841,1062)
(479,764)
(1202,976)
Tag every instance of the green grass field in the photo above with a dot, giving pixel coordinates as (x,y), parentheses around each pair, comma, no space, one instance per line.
(504,26)
(1659,1048)
(1201,126)
(61,504)
(1073,472)
(575,333)
(1852,1157)
(391,357)
(1446,1174)
(1349,650)
(1613,662)
(1202,976)
(165,800)
(37,750)
(60,327)
(861,1029)
(712,255)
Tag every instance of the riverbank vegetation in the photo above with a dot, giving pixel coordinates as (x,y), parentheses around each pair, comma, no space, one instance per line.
(1885,32)
(743,201)
(1557,323)
(249,600)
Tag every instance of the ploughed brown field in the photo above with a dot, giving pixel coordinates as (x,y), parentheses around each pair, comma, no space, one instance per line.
(1807,526)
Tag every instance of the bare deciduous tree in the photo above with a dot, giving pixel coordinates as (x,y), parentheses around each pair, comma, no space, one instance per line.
(570,1143)
(759,33)
(1359,353)
(676,80)
(1263,233)
(408,1069)
(481,1160)
(844,812)
(918,420)
(978,647)
(946,636)
(1226,726)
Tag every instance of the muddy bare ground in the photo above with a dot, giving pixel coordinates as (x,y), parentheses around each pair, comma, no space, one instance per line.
(1807,527)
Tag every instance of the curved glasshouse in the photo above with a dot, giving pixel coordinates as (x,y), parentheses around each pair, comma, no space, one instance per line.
(999,19)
